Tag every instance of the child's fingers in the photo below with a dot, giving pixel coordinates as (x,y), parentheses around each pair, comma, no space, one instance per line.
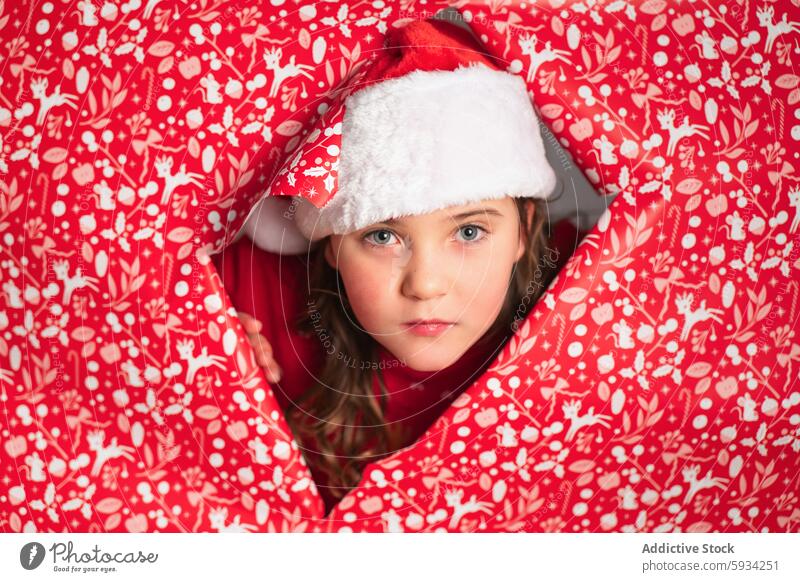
(274,374)
(264,356)
(252,325)
(249,323)
(261,345)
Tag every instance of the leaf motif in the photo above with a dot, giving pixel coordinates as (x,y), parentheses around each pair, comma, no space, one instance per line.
(574,295)
(180,234)
(112,287)
(112,522)
(587,60)
(218,182)
(165,65)
(723,131)
(689,186)
(245,178)
(735,153)
(699,369)
(653,404)
(654,418)
(161,48)
(55,155)
(92,103)
(527,345)
(551,110)
(109,505)
(289,128)
(508,370)
(582,466)
(137,283)
(329,76)
(643,236)
(787,81)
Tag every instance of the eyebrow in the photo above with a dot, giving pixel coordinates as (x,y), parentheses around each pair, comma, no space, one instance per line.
(459,216)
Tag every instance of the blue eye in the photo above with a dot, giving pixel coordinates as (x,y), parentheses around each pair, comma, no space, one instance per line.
(381,240)
(474,231)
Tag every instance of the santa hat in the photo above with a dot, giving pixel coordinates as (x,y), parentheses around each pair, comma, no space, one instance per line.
(429,122)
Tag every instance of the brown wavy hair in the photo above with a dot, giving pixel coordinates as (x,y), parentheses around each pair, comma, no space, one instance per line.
(339,422)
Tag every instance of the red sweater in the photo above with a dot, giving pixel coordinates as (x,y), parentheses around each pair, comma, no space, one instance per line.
(273,289)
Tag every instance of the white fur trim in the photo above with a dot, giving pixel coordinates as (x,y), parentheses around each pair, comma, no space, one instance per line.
(429,140)
(271,226)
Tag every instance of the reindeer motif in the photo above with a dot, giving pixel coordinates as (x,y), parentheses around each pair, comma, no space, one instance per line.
(163,166)
(104,453)
(696,485)
(272,60)
(72,284)
(666,118)
(692,317)
(47,102)
(196,363)
(218,516)
(577,422)
(548,54)
(774,29)
(794,202)
(453,499)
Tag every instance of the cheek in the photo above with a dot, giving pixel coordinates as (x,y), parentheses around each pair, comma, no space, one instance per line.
(367,290)
(488,299)
(484,283)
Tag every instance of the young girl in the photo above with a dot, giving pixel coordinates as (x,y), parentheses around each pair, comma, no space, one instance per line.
(415,270)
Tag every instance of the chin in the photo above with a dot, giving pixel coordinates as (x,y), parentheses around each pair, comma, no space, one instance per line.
(429,359)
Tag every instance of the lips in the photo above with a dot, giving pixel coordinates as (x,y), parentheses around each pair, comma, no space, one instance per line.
(428,327)
(427,322)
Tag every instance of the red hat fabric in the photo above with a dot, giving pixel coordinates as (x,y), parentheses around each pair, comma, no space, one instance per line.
(429,122)
(426,45)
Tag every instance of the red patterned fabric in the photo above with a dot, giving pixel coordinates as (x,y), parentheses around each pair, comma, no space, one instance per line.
(652,389)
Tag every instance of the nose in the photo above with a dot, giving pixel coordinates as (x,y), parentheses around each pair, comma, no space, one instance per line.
(424,275)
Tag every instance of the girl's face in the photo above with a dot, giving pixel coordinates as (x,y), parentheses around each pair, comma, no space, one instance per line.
(450,266)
